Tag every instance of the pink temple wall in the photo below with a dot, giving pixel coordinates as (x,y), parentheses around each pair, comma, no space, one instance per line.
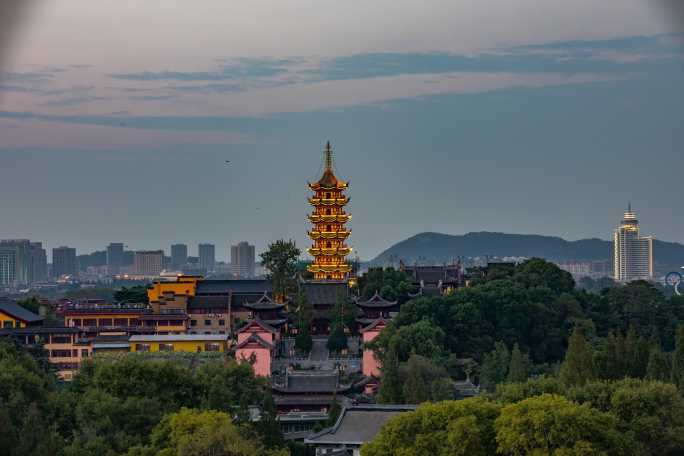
(370,365)
(265,335)
(262,366)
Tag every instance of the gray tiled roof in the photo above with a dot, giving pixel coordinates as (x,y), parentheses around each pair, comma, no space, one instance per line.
(311,382)
(322,293)
(235,286)
(358,424)
(15,310)
(208,302)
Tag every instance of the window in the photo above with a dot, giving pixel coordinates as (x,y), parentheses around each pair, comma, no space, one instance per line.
(105,322)
(7,324)
(222,322)
(74,353)
(193,322)
(166,347)
(142,347)
(89,322)
(176,323)
(76,322)
(60,339)
(60,353)
(212,347)
(84,353)
(207,322)
(121,322)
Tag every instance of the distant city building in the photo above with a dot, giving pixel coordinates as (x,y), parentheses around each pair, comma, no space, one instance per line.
(593,269)
(115,257)
(63,261)
(242,260)
(148,262)
(207,257)
(179,256)
(38,262)
(15,256)
(632,253)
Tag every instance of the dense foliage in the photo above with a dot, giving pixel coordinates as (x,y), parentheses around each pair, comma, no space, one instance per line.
(628,330)
(117,405)
(281,262)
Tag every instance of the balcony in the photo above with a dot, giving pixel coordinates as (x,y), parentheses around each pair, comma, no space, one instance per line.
(333,251)
(340,234)
(339,218)
(328,201)
(329,267)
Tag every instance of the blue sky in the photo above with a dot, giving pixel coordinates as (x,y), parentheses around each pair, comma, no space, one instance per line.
(528,124)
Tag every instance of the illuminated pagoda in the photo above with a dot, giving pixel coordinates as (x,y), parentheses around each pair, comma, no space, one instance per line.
(328,218)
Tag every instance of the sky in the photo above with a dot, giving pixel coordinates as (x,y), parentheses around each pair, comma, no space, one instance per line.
(527,116)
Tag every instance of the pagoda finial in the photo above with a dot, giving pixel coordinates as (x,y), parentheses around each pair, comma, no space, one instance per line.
(629,207)
(328,157)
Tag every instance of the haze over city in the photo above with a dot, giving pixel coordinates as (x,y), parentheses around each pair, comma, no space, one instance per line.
(543,117)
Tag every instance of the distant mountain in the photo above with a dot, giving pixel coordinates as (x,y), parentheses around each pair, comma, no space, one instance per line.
(440,248)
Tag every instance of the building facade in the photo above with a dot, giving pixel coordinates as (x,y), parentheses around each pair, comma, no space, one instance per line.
(115,258)
(148,262)
(207,257)
(632,253)
(38,263)
(64,261)
(15,262)
(179,256)
(328,218)
(242,258)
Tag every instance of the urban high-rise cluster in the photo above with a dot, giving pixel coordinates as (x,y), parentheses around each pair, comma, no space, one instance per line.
(242,260)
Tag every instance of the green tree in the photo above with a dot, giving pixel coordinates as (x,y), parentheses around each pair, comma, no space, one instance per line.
(304,314)
(392,284)
(659,366)
(337,340)
(419,375)
(518,369)
(495,366)
(390,382)
(280,260)
(552,425)
(541,273)
(449,428)
(578,366)
(132,295)
(203,433)
(678,359)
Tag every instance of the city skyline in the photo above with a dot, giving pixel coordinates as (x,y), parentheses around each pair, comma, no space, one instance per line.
(443,127)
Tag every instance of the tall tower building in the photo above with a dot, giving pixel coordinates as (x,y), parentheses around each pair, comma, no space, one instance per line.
(179,256)
(115,257)
(632,253)
(207,257)
(38,262)
(63,261)
(16,256)
(242,260)
(329,218)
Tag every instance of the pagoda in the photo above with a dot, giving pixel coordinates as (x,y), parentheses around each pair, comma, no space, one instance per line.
(328,219)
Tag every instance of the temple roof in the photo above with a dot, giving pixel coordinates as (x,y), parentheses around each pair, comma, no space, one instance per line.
(311,382)
(357,425)
(14,310)
(264,303)
(376,301)
(262,324)
(379,321)
(324,293)
(208,302)
(328,180)
(433,274)
(254,339)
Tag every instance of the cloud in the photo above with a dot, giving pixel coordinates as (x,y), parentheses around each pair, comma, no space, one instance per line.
(242,68)
(72,101)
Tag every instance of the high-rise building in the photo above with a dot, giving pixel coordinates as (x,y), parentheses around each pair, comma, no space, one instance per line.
(632,253)
(8,267)
(63,261)
(207,257)
(18,253)
(148,262)
(329,218)
(242,260)
(179,256)
(38,262)
(115,257)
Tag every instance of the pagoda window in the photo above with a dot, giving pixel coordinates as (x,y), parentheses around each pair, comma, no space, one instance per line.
(328,244)
(328,228)
(327,211)
(327,195)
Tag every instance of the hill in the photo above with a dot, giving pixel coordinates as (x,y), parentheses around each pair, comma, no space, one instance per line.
(441,248)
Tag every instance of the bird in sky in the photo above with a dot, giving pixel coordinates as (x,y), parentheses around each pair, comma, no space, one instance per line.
(227,161)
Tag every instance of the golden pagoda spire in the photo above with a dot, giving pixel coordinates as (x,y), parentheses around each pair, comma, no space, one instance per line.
(328,157)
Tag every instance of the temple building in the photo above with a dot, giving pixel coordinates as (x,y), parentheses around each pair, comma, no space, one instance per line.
(434,280)
(329,233)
